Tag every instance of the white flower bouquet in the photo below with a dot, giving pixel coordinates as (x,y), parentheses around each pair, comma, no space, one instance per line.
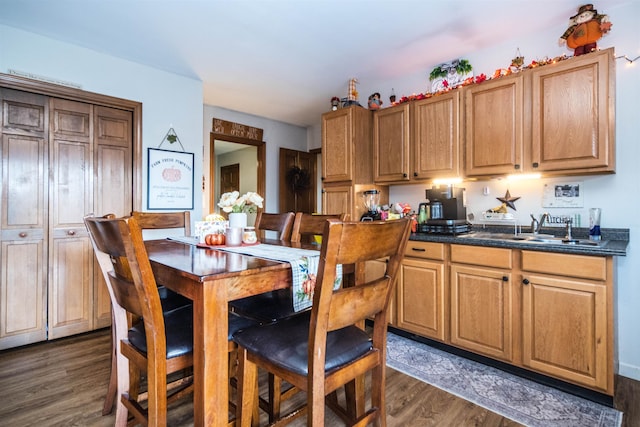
(232,202)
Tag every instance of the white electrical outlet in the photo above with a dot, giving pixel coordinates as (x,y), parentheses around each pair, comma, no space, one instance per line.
(486,191)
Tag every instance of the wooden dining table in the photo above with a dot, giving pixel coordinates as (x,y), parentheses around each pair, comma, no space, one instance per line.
(212,278)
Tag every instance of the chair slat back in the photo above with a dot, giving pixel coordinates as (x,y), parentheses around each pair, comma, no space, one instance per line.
(281,223)
(163,220)
(353,243)
(131,279)
(306,225)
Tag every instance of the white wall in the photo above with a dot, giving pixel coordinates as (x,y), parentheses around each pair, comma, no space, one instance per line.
(276,135)
(168,100)
(617,194)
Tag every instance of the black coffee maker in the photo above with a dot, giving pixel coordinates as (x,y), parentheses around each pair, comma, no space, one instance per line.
(447,211)
(447,202)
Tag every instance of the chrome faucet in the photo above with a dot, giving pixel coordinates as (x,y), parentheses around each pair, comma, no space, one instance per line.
(567,223)
(536,224)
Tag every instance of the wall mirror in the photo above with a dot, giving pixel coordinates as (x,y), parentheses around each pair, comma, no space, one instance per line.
(235,162)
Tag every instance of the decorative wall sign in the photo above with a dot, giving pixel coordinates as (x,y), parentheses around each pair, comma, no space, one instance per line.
(236,129)
(563,195)
(170,180)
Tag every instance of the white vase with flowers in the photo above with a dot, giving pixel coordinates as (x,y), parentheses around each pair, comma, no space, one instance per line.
(238,207)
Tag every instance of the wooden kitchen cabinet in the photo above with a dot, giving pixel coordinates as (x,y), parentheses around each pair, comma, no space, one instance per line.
(418,140)
(494,121)
(556,119)
(347,162)
(573,119)
(421,293)
(436,137)
(391,144)
(483,316)
(568,317)
(346,145)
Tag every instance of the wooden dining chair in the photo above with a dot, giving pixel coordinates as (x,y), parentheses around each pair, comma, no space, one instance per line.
(164,220)
(157,342)
(306,225)
(323,350)
(280,223)
(168,299)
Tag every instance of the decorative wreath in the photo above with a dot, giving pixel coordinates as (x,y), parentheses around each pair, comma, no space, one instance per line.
(298,179)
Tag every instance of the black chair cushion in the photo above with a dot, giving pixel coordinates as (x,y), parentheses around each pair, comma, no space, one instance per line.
(171,300)
(285,343)
(238,323)
(179,329)
(178,325)
(265,308)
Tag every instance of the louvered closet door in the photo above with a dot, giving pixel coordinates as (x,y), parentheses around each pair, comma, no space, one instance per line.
(70,198)
(23,267)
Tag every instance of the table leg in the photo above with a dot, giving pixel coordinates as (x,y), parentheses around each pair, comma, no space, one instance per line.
(211,376)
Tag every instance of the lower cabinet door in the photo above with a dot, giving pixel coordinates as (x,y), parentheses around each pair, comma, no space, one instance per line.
(482,311)
(565,330)
(421,298)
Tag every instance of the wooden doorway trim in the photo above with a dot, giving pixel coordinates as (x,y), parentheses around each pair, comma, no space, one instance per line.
(63,92)
(262,155)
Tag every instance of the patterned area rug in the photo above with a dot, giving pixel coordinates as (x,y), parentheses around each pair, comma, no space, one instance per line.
(518,399)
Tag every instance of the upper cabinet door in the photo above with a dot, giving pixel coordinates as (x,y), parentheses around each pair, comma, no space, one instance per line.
(573,114)
(494,126)
(436,137)
(391,138)
(337,145)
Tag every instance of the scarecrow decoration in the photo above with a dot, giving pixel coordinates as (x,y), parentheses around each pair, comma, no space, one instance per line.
(585,28)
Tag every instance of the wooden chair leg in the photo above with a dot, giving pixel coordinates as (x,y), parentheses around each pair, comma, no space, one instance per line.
(112,388)
(275,394)
(247,391)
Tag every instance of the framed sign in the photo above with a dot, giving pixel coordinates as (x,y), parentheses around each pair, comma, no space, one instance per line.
(170,180)
(563,195)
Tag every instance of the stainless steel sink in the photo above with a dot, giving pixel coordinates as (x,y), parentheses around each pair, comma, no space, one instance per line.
(548,239)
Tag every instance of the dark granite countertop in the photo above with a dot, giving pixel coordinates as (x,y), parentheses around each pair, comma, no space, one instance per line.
(614,240)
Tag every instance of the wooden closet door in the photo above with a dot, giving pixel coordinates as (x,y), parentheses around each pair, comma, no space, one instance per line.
(112,160)
(23,268)
(70,198)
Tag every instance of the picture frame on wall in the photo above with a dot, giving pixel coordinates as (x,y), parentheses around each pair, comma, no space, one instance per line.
(170,180)
(563,195)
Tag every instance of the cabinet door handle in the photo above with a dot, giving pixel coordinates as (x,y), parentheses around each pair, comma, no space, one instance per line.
(71,232)
(404,175)
(415,174)
(525,281)
(516,167)
(505,278)
(535,164)
(22,234)
(418,249)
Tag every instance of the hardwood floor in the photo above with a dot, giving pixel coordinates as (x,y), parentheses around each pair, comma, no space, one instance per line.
(63,383)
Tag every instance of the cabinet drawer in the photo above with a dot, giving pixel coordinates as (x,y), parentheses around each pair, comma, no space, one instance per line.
(426,250)
(490,257)
(587,267)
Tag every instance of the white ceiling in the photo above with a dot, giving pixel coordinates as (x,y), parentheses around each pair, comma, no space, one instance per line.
(285,59)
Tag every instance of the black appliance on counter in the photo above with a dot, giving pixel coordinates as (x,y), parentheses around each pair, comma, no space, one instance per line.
(447,211)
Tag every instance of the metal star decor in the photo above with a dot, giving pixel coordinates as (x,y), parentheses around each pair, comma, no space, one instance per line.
(508,200)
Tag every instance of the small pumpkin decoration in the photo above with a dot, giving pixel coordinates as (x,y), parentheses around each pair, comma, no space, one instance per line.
(298,179)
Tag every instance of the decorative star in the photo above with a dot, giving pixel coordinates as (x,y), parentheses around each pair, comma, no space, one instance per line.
(508,200)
